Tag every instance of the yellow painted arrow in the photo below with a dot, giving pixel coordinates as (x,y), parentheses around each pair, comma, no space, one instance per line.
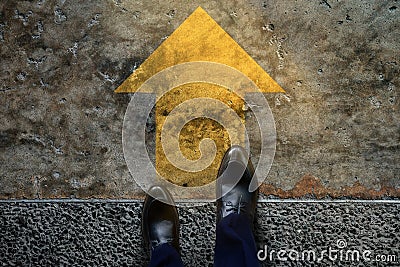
(198,38)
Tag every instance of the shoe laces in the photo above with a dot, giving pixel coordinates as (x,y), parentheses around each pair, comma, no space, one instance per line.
(240,207)
(156,243)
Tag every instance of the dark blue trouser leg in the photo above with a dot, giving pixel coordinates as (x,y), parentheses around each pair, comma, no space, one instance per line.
(235,245)
(165,255)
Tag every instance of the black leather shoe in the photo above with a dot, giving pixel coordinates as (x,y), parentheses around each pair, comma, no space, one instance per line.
(234,178)
(160,221)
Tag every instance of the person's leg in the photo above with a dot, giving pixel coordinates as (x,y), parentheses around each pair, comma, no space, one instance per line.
(160,228)
(165,255)
(235,245)
(236,205)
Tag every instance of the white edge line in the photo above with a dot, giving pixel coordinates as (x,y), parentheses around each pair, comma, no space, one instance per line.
(335,201)
(201,202)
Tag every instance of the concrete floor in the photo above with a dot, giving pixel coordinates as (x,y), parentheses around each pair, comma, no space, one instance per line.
(338,61)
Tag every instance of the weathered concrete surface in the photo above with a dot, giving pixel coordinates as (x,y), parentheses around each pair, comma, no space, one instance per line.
(60,124)
(104,234)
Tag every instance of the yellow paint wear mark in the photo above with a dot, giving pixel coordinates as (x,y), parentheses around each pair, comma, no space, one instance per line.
(195,131)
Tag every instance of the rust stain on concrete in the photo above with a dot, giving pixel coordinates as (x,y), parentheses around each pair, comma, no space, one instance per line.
(310,186)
